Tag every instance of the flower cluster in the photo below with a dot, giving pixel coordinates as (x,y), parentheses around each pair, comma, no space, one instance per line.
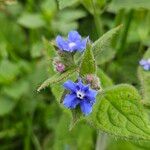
(80,95)
(73,43)
(145,64)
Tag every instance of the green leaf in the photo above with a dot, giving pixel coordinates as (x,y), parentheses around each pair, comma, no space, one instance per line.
(88,4)
(102,48)
(88,65)
(6,105)
(8,71)
(12,45)
(57,78)
(144,77)
(116,5)
(118,111)
(36,50)
(71,15)
(31,21)
(66,3)
(63,27)
(16,90)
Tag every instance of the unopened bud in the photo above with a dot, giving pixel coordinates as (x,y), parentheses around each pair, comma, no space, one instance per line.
(93,80)
(58,65)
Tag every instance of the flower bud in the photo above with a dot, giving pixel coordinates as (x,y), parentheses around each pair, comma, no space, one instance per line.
(59,66)
(93,80)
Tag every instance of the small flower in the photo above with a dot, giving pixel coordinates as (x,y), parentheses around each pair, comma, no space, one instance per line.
(73,43)
(80,95)
(145,64)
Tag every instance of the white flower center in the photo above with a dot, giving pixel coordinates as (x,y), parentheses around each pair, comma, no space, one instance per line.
(80,95)
(72,44)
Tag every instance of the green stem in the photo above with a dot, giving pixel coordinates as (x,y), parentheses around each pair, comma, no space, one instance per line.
(119,17)
(101,142)
(27,140)
(118,20)
(97,20)
(36,142)
(125,32)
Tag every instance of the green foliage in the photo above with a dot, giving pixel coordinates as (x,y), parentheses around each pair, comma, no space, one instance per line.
(66,3)
(129,4)
(104,79)
(118,111)
(6,105)
(31,21)
(8,74)
(78,138)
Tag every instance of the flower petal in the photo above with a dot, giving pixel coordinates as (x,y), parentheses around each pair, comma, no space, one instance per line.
(69,85)
(82,44)
(143,62)
(61,43)
(74,36)
(86,107)
(146,67)
(70,101)
(91,95)
(80,86)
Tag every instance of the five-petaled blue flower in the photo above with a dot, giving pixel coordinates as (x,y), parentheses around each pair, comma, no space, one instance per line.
(73,43)
(145,64)
(80,95)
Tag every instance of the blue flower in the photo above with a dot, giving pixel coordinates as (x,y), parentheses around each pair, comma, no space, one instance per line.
(73,43)
(80,95)
(145,64)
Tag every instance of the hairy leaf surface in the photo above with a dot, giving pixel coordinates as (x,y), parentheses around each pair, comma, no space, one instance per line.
(118,111)
(102,48)
(88,65)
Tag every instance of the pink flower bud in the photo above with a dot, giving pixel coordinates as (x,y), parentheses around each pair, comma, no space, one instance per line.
(60,67)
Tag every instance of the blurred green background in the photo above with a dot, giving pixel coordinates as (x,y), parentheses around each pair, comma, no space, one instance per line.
(31,120)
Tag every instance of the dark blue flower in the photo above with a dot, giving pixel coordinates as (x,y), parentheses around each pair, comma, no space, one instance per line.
(145,64)
(81,95)
(73,43)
